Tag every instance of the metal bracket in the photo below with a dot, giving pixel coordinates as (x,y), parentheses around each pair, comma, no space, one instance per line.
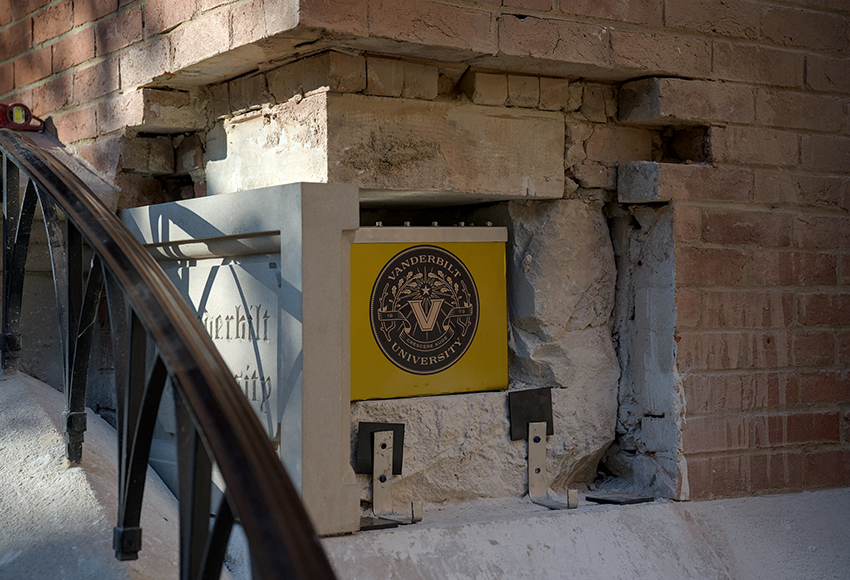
(382,481)
(537,478)
(382,473)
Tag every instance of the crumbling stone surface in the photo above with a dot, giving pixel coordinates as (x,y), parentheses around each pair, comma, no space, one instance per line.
(562,271)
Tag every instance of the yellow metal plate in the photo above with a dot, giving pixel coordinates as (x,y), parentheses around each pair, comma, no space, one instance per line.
(483,365)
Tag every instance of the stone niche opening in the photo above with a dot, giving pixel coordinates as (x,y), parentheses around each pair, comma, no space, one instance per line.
(433,142)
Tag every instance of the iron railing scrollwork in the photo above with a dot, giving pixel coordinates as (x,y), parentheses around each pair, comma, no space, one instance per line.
(214,420)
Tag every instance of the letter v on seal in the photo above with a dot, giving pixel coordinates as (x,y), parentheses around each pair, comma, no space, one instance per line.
(426,321)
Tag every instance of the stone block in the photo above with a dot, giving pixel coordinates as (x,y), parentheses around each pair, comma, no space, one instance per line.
(596,176)
(613,144)
(188,155)
(593,103)
(393,144)
(149,155)
(663,101)
(485,88)
(554,94)
(153,111)
(338,72)
(421,81)
(549,250)
(523,91)
(384,77)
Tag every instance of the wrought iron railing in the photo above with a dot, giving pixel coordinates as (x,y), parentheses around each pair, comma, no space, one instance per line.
(214,420)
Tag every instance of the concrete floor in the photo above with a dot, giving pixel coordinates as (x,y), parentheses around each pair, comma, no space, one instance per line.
(56,522)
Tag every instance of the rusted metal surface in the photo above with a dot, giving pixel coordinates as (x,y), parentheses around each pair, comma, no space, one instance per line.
(216,422)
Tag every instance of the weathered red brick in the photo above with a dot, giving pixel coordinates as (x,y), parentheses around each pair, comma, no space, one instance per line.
(76,125)
(615,144)
(776,268)
(710,351)
(5,12)
(776,471)
(823,309)
(351,15)
(686,222)
(826,387)
(765,228)
(57,19)
(796,429)
(21,8)
(661,53)
(201,38)
(52,95)
(73,50)
(102,153)
(138,190)
(96,81)
(699,477)
(144,61)
(119,31)
(825,153)
(775,187)
(769,349)
(822,232)
(688,308)
(539,5)
(729,18)
(845,269)
(637,11)
(791,27)
(728,309)
(16,39)
(794,110)
(32,67)
(283,15)
(709,266)
(844,348)
(205,5)
(556,40)
(757,64)
(424,22)
(713,433)
(827,73)
(730,475)
(248,22)
(762,390)
(814,348)
(7,77)
(754,146)
(827,469)
(162,15)
(92,10)
(669,101)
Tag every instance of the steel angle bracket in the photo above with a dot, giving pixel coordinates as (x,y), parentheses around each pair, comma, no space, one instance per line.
(537,477)
(382,481)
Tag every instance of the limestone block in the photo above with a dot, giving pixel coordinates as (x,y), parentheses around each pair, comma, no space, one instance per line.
(523,91)
(153,111)
(593,103)
(584,365)
(421,81)
(577,134)
(596,176)
(149,155)
(561,267)
(485,88)
(473,153)
(384,77)
(554,94)
(458,447)
(338,72)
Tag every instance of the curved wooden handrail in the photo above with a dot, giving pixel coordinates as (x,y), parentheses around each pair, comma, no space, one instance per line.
(282,540)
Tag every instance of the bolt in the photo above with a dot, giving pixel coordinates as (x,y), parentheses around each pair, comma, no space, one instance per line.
(435,224)
(407,224)
(537,438)
(488,224)
(379,224)
(537,470)
(383,479)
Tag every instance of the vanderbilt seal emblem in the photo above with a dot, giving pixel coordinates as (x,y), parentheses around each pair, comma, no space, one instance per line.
(424,310)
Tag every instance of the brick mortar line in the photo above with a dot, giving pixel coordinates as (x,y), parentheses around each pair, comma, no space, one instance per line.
(757,206)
